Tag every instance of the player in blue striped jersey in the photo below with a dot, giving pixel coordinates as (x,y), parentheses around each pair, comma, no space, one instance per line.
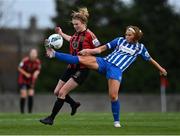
(125,51)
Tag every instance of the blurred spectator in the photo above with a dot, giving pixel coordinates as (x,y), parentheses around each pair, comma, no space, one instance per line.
(29,69)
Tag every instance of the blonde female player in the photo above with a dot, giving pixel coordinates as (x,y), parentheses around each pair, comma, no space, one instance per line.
(125,51)
(75,74)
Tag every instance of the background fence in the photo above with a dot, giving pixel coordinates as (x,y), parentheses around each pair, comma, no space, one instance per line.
(95,102)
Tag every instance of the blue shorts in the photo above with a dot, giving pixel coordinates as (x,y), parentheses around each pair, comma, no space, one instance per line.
(110,70)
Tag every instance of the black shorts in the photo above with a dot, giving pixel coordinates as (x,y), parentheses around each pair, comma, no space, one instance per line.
(79,75)
(24,86)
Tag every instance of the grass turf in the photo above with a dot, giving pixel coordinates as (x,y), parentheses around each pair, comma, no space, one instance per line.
(91,123)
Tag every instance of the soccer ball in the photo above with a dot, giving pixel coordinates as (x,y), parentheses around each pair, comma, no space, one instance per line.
(55,40)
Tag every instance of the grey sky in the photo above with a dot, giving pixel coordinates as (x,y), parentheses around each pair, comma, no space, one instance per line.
(42,9)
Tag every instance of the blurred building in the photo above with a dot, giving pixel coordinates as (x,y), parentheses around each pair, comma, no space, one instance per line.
(15,44)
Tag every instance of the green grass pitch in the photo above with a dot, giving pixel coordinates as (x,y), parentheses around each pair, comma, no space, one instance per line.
(91,123)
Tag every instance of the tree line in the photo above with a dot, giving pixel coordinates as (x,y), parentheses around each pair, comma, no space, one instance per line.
(108,20)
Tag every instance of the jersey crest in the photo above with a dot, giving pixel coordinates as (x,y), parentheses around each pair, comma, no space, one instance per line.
(75,44)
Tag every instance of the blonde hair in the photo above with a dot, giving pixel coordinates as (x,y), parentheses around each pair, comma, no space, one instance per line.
(137,32)
(82,14)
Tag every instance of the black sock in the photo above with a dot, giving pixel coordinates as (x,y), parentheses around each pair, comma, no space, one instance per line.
(30,103)
(57,106)
(22,104)
(69,100)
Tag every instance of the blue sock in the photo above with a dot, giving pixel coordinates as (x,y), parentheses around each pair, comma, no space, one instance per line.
(115,107)
(70,59)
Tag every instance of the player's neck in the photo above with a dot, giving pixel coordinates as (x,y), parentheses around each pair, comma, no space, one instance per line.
(83,29)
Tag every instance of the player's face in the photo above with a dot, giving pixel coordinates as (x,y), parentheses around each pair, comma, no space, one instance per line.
(33,54)
(78,25)
(130,36)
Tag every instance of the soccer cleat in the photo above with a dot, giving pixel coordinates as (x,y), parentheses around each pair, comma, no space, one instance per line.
(117,124)
(74,108)
(48,120)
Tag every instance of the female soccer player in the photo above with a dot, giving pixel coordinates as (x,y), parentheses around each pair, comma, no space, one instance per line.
(29,69)
(75,74)
(125,51)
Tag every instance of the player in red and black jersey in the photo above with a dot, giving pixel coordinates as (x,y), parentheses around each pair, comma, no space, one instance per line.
(29,69)
(74,75)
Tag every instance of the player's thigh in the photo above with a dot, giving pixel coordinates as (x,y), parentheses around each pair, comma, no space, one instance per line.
(77,78)
(58,86)
(89,62)
(80,75)
(67,87)
(64,78)
(23,90)
(23,93)
(114,76)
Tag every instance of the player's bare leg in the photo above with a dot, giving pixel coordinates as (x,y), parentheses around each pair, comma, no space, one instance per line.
(115,104)
(68,86)
(63,94)
(74,105)
(58,87)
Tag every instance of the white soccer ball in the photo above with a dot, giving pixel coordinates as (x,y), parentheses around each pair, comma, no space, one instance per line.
(55,40)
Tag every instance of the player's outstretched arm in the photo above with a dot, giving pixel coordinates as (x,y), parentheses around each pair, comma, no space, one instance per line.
(60,32)
(161,69)
(93,51)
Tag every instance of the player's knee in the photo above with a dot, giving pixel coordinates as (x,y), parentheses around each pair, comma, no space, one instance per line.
(56,92)
(23,94)
(113,96)
(61,95)
(31,92)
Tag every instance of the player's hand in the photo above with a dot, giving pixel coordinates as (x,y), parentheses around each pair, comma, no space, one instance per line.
(163,72)
(35,74)
(46,43)
(84,52)
(28,75)
(50,53)
(58,30)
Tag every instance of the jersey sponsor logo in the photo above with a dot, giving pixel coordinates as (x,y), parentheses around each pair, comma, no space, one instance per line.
(96,42)
(127,50)
(137,48)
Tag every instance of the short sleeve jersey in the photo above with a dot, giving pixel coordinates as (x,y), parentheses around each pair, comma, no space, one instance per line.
(30,67)
(82,40)
(125,53)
